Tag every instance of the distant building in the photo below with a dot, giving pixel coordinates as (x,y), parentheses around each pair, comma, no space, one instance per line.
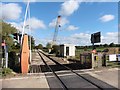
(67,50)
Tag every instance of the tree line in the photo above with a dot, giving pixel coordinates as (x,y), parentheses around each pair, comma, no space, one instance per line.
(99,46)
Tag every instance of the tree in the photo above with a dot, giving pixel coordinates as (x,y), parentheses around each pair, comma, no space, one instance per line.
(105,45)
(7,29)
(55,49)
(111,44)
(49,45)
(32,41)
(85,48)
(40,46)
(117,45)
(101,45)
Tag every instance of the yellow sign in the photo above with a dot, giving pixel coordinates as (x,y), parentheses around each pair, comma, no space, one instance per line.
(97,58)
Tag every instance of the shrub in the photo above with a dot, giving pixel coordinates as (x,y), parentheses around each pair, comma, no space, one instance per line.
(14,61)
(6,71)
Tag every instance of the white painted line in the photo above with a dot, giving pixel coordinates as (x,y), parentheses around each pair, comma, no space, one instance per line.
(113,69)
(21,78)
(16,78)
(85,70)
(98,71)
(61,75)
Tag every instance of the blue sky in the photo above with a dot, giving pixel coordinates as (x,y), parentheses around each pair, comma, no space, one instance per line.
(79,20)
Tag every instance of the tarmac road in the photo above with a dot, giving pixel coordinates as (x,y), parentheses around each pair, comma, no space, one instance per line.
(109,76)
(73,81)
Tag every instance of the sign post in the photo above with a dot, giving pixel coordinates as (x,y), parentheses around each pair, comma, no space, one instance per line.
(5,54)
(95,38)
(6,57)
(93,59)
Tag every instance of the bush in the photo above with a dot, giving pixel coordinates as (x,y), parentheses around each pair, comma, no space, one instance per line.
(14,61)
(6,71)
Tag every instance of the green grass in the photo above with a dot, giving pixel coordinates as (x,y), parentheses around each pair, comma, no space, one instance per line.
(80,51)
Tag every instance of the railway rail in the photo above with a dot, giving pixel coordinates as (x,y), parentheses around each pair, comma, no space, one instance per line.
(64,86)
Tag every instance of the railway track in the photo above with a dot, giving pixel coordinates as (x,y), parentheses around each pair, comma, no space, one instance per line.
(61,81)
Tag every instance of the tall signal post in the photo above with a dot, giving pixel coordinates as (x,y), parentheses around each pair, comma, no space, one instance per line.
(56,29)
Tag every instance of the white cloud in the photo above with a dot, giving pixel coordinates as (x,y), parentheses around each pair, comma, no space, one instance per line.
(19,26)
(43,41)
(69,7)
(10,11)
(112,34)
(107,18)
(81,36)
(72,28)
(36,23)
(84,38)
(63,22)
(110,37)
(76,39)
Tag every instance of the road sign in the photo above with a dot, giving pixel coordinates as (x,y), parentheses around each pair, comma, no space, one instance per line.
(112,57)
(95,37)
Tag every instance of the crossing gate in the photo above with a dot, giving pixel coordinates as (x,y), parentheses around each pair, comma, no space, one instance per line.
(86,60)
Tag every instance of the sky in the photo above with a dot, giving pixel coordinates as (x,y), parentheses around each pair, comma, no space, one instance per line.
(78,20)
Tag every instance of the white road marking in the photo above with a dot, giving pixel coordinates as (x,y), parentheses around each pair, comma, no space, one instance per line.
(21,78)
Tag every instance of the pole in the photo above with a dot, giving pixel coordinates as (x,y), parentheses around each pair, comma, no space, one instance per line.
(93,61)
(24,21)
(6,57)
(18,37)
(30,32)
